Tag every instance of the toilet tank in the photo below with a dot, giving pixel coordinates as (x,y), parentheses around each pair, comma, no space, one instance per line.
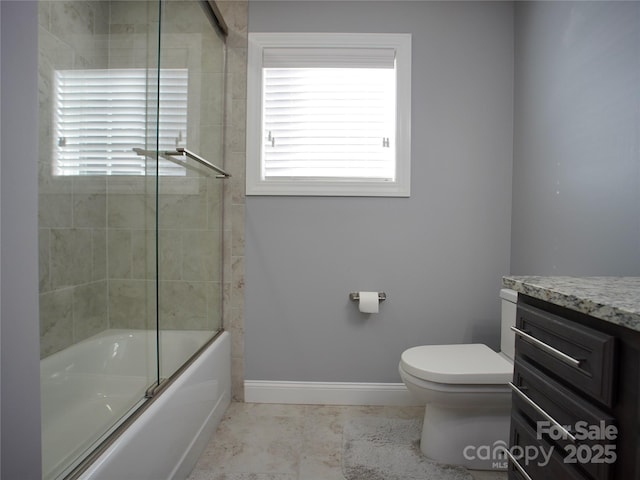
(508,298)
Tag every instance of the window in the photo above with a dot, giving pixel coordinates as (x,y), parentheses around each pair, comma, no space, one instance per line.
(102,115)
(329,114)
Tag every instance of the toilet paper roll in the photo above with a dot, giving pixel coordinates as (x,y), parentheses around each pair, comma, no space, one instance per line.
(368,302)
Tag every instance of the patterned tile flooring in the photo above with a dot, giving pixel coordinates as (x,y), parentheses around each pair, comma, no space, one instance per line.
(288,442)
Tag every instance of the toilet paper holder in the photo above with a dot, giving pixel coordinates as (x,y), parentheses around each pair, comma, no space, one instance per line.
(355,296)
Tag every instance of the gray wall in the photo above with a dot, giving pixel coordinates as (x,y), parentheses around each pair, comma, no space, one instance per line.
(20,358)
(576,184)
(439,255)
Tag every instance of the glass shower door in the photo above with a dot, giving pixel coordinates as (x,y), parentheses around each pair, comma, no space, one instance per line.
(98,77)
(130,216)
(190,194)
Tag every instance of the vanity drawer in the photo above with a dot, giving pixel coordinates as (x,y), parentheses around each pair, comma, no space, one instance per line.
(527,450)
(581,432)
(582,357)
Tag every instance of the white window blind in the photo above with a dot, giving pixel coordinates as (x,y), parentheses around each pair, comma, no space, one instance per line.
(329,123)
(102,115)
(336,57)
(329,114)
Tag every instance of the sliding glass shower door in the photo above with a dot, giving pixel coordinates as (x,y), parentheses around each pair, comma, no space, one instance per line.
(98,76)
(192,59)
(130,228)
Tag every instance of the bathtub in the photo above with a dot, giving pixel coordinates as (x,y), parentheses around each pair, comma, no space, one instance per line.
(85,386)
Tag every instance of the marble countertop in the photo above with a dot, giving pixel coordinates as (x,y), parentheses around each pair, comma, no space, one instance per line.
(612,299)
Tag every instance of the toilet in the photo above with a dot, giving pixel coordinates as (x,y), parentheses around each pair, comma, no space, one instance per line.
(467,397)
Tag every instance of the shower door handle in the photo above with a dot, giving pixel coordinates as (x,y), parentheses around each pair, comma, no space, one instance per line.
(200,160)
(187,153)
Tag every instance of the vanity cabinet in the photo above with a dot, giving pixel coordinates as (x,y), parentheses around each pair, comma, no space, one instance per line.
(575,403)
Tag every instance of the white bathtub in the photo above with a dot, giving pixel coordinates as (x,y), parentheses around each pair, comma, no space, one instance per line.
(85,386)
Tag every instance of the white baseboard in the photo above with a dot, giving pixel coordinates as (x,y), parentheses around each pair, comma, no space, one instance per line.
(327,393)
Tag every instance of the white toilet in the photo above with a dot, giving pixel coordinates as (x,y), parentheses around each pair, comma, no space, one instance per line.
(468,400)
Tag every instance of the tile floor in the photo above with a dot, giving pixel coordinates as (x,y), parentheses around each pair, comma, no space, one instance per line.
(288,442)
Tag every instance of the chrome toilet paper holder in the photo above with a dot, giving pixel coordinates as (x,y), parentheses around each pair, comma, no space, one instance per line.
(355,296)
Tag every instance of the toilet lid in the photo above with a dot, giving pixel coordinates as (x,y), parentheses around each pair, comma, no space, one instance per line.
(457,364)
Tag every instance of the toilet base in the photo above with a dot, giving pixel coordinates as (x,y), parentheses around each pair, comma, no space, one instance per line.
(471,437)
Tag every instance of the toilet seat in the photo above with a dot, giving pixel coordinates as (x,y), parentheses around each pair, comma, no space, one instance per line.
(457,364)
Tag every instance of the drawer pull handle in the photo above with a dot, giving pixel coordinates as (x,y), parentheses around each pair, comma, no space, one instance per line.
(540,411)
(517,465)
(548,348)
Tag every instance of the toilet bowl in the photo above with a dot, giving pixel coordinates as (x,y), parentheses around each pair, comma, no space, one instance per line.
(467,398)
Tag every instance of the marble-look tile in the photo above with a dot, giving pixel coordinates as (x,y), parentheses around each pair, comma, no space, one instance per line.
(321,466)
(43,260)
(404,412)
(130,302)
(175,57)
(182,211)
(214,305)
(143,255)
(237,66)
(44,13)
(119,253)
(322,442)
(71,257)
(89,310)
(213,98)
(130,210)
(237,230)
(236,139)
(212,58)
(488,475)
(71,17)
(235,15)
(201,255)
(183,304)
(237,282)
(89,210)
(264,410)
(90,185)
(237,181)
(237,378)
(241,448)
(227,259)
(101,15)
(235,327)
(169,254)
(99,253)
(55,210)
(47,182)
(211,136)
(56,321)
(126,11)
(206,475)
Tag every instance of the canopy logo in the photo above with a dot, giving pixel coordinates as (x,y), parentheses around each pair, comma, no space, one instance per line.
(496,453)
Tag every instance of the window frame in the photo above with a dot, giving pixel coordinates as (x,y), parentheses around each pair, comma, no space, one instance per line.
(256,185)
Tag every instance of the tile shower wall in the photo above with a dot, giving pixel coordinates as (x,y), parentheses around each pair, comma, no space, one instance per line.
(235,14)
(85,285)
(72,211)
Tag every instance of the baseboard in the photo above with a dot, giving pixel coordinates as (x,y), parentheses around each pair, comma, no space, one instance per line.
(327,393)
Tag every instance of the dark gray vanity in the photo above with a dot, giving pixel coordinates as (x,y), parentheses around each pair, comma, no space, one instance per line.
(576,383)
